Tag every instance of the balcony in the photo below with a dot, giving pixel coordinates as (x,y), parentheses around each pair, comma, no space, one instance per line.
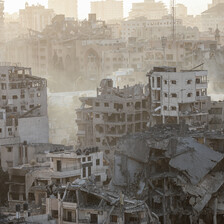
(202,85)
(201,98)
(66,173)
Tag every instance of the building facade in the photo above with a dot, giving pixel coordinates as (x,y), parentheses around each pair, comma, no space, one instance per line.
(35,17)
(178,96)
(69,8)
(108,10)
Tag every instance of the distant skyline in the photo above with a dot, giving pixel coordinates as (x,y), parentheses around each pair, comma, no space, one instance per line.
(194,6)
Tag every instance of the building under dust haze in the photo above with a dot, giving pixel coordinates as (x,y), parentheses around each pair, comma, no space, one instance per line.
(65,7)
(149,9)
(35,17)
(107,10)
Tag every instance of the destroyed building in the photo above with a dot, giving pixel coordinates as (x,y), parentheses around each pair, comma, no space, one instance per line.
(82,202)
(178,96)
(113,113)
(181,178)
(32,182)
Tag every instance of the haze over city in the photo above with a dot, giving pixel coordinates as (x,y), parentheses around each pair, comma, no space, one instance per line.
(194,6)
(112,112)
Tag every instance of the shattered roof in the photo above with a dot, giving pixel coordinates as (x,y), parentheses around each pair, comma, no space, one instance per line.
(194,159)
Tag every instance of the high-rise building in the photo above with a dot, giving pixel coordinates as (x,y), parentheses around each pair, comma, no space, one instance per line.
(108,10)
(149,9)
(65,7)
(35,17)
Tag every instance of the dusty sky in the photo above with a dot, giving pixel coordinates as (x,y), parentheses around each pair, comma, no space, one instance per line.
(194,6)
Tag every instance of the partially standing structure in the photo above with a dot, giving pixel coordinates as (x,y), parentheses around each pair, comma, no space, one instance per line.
(177,97)
(113,113)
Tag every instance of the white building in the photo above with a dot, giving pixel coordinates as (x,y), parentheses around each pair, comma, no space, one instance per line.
(178,96)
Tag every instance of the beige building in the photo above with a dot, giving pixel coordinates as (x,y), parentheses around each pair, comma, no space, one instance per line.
(35,17)
(213,18)
(115,112)
(69,8)
(108,10)
(23,105)
(149,9)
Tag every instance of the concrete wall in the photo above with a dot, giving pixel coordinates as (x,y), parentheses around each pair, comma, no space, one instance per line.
(34,129)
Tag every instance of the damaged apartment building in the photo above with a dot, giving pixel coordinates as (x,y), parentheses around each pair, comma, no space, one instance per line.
(32,182)
(23,105)
(82,202)
(23,112)
(178,96)
(113,113)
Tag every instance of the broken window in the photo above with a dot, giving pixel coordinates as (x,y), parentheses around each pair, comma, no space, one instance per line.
(89,171)
(97,162)
(93,218)
(84,172)
(9,149)
(59,165)
(10,131)
(173,108)
(158,82)
(3,86)
(98,178)
(113,218)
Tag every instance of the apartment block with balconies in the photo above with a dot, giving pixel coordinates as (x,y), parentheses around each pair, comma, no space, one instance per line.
(178,96)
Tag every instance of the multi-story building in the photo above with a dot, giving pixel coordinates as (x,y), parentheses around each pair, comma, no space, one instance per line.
(143,28)
(149,9)
(212,18)
(69,8)
(23,106)
(82,164)
(35,17)
(113,113)
(34,181)
(108,10)
(214,3)
(177,97)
